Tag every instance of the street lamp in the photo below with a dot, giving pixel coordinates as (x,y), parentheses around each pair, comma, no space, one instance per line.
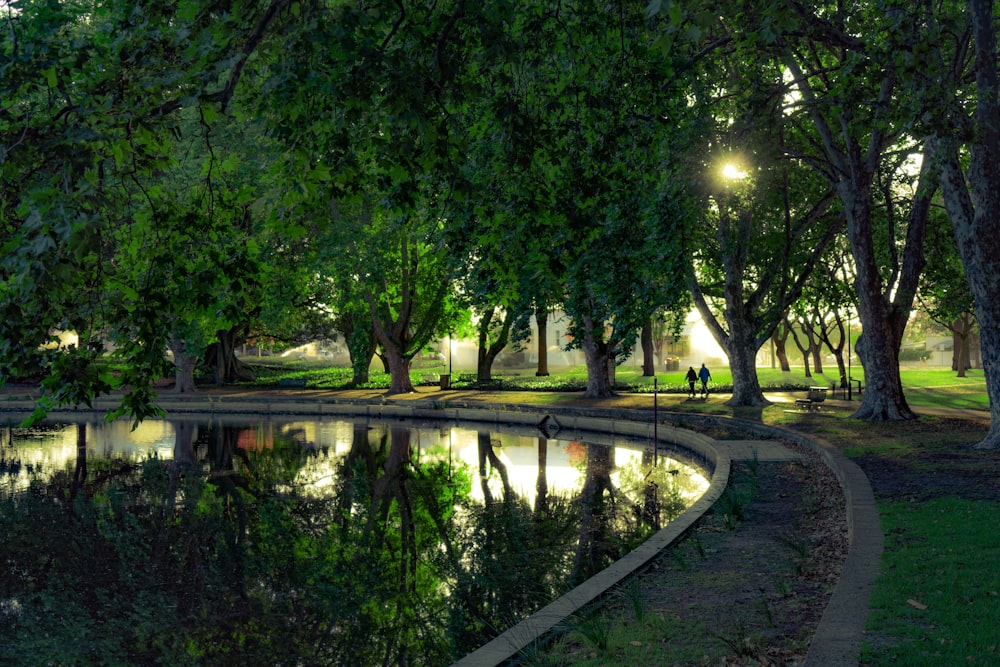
(850,353)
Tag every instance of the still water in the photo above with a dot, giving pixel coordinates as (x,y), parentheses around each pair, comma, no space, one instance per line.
(304,541)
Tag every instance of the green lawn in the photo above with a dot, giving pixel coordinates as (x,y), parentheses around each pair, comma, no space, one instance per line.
(924,386)
(937,597)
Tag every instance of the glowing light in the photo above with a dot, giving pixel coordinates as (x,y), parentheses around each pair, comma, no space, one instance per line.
(733,171)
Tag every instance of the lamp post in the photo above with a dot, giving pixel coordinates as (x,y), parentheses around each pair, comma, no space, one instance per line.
(656,440)
(850,353)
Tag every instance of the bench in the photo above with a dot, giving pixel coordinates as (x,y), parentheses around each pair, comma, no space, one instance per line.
(291,383)
(816,396)
(848,388)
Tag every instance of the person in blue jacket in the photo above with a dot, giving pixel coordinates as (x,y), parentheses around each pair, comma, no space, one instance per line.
(704,376)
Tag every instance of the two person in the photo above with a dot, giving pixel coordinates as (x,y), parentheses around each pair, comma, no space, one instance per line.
(693,377)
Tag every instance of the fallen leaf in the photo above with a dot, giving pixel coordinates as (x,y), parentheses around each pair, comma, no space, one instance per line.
(916,605)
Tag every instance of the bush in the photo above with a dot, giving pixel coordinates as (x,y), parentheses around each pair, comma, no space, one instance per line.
(914,354)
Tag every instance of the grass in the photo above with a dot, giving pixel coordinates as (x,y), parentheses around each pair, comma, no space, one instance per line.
(924,387)
(937,597)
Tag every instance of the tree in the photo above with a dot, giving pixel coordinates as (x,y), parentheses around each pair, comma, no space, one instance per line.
(972,198)
(574,106)
(406,281)
(861,150)
(832,302)
(855,73)
(365,99)
(91,94)
(944,291)
(768,221)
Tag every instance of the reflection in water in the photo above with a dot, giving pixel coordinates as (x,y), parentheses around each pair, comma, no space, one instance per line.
(304,542)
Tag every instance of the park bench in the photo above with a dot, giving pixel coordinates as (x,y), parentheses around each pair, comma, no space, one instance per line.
(812,401)
(291,383)
(855,388)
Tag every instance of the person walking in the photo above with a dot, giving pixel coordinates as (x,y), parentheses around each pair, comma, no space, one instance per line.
(692,377)
(705,376)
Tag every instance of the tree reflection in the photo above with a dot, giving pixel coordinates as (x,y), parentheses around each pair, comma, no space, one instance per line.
(224,555)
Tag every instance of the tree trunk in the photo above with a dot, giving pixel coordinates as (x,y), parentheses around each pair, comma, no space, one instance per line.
(385,362)
(184,363)
(361,365)
(961,329)
(597,354)
(836,348)
(817,352)
(648,353)
(361,347)
(399,371)
(883,320)
(779,337)
(742,352)
(221,355)
(80,469)
(974,207)
(488,455)
(542,481)
(854,152)
(184,450)
(960,347)
(489,351)
(804,350)
(542,319)
(597,495)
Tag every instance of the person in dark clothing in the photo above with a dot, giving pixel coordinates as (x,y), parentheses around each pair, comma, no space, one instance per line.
(692,377)
(705,377)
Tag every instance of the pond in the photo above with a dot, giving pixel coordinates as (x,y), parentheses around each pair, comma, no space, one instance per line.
(307,541)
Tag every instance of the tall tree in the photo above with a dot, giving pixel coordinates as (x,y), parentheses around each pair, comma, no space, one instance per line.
(854,90)
(972,197)
(944,291)
(578,109)
(768,219)
(366,99)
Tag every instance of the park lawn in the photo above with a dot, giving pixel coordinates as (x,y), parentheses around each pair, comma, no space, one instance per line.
(937,387)
(936,600)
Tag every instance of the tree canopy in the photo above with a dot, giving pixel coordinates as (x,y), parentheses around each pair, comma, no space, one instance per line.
(160,165)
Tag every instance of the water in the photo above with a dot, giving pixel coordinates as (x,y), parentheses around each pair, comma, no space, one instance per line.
(306,541)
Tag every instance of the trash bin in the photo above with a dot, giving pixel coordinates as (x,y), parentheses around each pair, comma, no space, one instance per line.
(446,381)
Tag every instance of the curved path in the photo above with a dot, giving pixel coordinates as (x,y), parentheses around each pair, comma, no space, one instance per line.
(837,639)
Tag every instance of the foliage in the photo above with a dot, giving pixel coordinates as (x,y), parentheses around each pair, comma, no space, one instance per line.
(98,99)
